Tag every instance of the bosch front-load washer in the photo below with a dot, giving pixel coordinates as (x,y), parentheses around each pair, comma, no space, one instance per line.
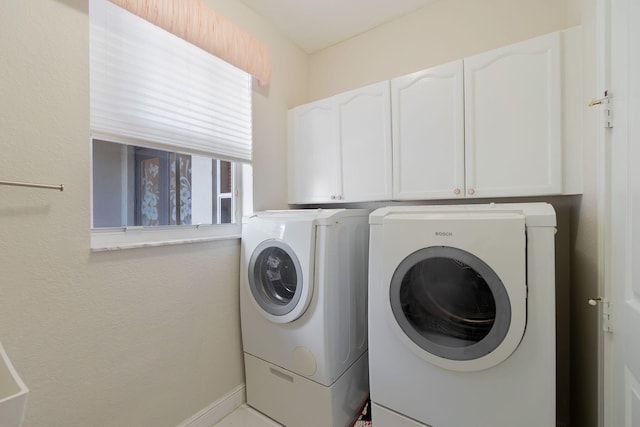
(303,307)
(462,316)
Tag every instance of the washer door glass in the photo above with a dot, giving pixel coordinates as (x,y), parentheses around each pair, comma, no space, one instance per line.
(450,303)
(275,277)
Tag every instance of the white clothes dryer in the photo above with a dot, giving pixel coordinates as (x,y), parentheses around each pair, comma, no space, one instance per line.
(462,315)
(303,306)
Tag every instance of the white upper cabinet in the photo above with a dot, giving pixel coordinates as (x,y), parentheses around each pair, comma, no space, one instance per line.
(340,148)
(505,123)
(428,134)
(513,120)
(314,153)
(499,124)
(365,141)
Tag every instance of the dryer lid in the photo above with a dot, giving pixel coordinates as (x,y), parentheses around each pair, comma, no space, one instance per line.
(457,285)
(275,277)
(450,303)
(280,264)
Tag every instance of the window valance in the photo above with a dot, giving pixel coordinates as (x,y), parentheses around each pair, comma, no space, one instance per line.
(198,24)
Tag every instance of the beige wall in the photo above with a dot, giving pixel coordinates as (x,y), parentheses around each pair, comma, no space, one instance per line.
(441,32)
(148,337)
(141,337)
(452,29)
(584,272)
(288,88)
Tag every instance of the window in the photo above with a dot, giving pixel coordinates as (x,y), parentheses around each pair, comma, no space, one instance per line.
(171,136)
(138,186)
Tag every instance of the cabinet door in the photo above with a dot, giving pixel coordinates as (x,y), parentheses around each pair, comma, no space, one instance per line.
(512,120)
(314,157)
(428,134)
(364,119)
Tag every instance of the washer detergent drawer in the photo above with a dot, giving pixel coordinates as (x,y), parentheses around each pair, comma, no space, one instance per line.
(293,400)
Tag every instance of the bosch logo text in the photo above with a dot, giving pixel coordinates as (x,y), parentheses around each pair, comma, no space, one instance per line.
(444,233)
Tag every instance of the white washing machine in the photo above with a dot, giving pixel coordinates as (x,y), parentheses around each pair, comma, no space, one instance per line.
(462,316)
(303,308)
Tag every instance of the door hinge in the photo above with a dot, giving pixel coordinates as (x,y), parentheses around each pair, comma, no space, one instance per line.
(606,109)
(607,312)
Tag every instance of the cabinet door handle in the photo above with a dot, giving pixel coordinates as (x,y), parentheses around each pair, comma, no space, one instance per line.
(333,197)
(456,191)
(471,191)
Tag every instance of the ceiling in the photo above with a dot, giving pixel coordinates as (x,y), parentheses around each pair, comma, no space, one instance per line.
(316,24)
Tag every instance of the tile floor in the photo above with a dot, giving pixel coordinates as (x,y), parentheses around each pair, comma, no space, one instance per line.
(245,416)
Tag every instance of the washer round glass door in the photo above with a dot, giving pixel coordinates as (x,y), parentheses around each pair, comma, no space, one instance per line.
(275,277)
(450,304)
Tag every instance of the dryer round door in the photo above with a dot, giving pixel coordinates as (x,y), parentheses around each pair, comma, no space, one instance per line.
(454,308)
(276,281)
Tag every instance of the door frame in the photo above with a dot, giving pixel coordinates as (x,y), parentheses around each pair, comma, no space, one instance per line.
(612,37)
(603,139)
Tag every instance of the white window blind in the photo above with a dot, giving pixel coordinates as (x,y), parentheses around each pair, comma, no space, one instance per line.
(150,86)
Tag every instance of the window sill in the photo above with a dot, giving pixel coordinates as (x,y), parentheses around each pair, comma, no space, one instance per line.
(110,239)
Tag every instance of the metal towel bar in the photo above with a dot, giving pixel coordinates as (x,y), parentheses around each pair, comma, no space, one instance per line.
(27,184)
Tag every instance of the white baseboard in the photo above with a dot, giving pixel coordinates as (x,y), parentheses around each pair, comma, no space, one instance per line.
(219,409)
